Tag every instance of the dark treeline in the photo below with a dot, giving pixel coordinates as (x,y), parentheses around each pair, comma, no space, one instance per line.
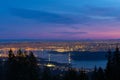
(24,66)
(112,70)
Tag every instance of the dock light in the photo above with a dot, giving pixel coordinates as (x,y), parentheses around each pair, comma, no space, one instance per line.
(50,65)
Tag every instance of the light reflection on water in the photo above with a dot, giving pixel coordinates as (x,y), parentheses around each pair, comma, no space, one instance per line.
(64,58)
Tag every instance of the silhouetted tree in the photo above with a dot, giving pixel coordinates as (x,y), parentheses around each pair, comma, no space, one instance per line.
(94,74)
(46,75)
(11,55)
(83,75)
(71,74)
(34,69)
(100,74)
(109,66)
(22,67)
(113,66)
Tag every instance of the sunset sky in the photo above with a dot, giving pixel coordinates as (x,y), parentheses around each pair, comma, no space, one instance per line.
(60,19)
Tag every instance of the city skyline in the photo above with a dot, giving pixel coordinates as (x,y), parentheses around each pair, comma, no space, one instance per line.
(64,19)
